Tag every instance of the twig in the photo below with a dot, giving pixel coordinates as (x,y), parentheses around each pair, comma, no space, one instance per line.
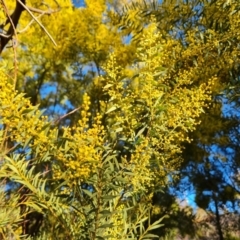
(11,149)
(4,35)
(13,19)
(29,24)
(65,115)
(47,12)
(39,23)
(14,45)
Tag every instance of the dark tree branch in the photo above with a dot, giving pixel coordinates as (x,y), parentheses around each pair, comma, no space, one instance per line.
(13,20)
(218,222)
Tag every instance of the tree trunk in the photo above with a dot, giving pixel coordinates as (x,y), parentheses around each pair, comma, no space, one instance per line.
(218,223)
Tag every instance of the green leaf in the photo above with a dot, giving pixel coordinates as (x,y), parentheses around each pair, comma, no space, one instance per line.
(141,131)
(119,129)
(109,197)
(28,111)
(107,86)
(150,236)
(143,219)
(105,212)
(109,225)
(99,237)
(113,108)
(26,143)
(88,193)
(155,226)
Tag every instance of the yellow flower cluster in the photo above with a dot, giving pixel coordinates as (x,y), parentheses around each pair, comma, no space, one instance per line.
(140,167)
(82,152)
(168,101)
(25,127)
(23,122)
(118,222)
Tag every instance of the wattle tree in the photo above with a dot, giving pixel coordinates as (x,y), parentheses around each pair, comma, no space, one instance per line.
(98,107)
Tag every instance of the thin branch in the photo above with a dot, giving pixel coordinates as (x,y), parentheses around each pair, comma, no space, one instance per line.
(11,149)
(13,20)
(65,115)
(44,12)
(11,31)
(39,23)
(4,35)
(29,24)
